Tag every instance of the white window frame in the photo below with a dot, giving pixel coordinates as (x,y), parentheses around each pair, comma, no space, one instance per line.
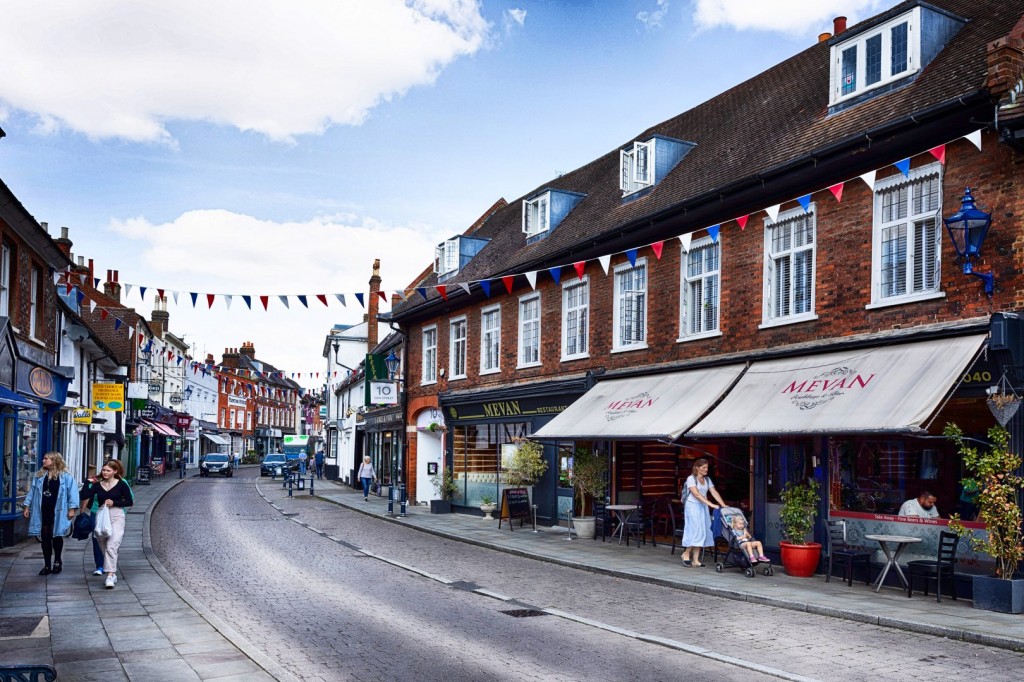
(770,317)
(529,343)
(446,257)
(5,280)
(878,300)
(488,336)
(428,361)
(705,278)
(619,308)
(913,21)
(537,215)
(35,306)
(576,319)
(633,176)
(457,345)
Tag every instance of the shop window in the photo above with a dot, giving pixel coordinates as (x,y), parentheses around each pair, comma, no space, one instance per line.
(476,457)
(28,454)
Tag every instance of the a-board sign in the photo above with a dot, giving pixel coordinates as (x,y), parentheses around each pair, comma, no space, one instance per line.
(515,504)
(142,476)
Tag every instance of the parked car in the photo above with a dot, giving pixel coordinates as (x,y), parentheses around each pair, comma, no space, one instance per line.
(216,463)
(277,463)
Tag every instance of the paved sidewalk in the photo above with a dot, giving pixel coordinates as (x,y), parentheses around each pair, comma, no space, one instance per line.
(890,607)
(147,628)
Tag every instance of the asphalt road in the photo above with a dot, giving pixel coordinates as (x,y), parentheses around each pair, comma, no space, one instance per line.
(334,594)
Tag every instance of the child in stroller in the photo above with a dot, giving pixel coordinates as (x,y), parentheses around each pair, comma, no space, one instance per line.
(744,551)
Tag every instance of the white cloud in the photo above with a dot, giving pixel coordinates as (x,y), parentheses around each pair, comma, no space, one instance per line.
(125,68)
(514,18)
(784,16)
(653,19)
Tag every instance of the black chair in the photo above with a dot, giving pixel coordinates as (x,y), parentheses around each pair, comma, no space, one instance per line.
(678,522)
(641,522)
(603,520)
(839,549)
(942,567)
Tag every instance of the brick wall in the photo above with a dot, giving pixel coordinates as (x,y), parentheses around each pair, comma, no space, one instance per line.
(23,259)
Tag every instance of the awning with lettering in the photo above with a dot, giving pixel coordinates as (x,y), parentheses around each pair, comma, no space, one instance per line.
(882,389)
(655,407)
(162,429)
(216,438)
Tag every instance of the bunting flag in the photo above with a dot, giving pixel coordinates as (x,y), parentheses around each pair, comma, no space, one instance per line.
(383,296)
(127,290)
(341,299)
(400,294)
(773,212)
(605,261)
(209,300)
(939,153)
(179,360)
(508,280)
(422,292)
(742,222)
(685,240)
(805,201)
(465,287)
(103,314)
(195,297)
(69,288)
(117,323)
(174,295)
(248,301)
(322,298)
(485,284)
(556,274)
(302,300)
(92,306)
(658,246)
(131,331)
(713,231)
(160,292)
(580,266)
(531,277)
(869,178)
(441,289)
(142,293)
(904,167)
(95,282)
(837,191)
(359,297)
(264,300)
(631,256)
(227,300)
(975,138)
(284,301)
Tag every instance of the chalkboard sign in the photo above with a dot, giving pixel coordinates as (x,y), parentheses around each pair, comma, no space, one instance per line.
(515,504)
(142,476)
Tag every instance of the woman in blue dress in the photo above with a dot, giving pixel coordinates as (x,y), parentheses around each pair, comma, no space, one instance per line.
(697,513)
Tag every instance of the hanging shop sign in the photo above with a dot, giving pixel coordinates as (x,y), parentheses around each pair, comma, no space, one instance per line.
(383,393)
(82,415)
(108,397)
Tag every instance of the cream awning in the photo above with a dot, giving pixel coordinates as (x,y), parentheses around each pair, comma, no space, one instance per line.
(883,389)
(656,407)
(216,438)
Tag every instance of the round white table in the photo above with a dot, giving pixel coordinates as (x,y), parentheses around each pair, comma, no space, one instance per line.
(892,556)
(622,512)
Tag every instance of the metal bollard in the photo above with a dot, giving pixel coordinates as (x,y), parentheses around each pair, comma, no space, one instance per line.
(289,485)
(402,488)
(311,477)
(391,499)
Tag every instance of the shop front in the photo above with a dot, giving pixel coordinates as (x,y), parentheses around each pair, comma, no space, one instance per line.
(385,429)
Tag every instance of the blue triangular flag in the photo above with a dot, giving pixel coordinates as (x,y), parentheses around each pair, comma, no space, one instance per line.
(302,300)
(194,296)
(359,297)
(142,293)
(631,255)
(904,167)
(805,201)
(556,274)
(149,346)
(485,284)
(95,282)
(422,292)
(713,231)
(117,323)
(180,359)
(248,301)
(81,296)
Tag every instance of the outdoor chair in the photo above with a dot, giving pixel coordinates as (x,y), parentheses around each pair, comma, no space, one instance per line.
(603,520)
(839,550)
(677,524)
(640,523)
(941,568)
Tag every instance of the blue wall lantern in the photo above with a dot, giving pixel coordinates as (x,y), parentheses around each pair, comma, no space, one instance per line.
(967,229)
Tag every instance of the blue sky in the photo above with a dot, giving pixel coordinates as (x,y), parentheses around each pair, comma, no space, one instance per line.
(202,146)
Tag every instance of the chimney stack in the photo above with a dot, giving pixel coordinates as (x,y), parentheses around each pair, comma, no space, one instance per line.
(160,316)
(374,305)
(64,243)
(111,288)
(822,37)
(248,350)
(838,25)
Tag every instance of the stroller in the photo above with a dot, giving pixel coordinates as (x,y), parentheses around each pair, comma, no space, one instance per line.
(721,528)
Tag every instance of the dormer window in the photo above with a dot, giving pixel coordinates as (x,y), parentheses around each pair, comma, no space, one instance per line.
(446,257)
(537,215)
(642,165)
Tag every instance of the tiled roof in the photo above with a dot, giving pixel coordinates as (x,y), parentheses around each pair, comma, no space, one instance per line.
(747,131)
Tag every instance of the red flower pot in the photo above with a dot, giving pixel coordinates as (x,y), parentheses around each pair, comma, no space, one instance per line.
(800,561)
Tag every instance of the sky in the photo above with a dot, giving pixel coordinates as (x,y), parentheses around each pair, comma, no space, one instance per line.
(278,147)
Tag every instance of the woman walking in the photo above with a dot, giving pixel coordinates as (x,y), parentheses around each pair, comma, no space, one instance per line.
(697,513)
(114,494)
(366,475)
(50,504)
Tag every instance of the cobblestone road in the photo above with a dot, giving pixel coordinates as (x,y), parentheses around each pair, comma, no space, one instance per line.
(331,611)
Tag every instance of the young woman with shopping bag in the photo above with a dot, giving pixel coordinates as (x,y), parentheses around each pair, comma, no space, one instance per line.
(113,496)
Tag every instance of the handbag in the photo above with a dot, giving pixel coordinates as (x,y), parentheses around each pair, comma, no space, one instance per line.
(375,488)
(83,526)
(104,529)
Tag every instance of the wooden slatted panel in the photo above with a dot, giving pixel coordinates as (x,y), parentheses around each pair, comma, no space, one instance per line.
(658,469)
(627,471)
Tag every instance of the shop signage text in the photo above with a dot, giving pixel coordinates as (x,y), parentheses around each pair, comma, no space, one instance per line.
(617,409)
(825,387)
(108,396)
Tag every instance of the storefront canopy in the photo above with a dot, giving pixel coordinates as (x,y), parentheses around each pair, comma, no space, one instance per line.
(885,389)
(216,439)
(12,399)
(657,407)
(162,429)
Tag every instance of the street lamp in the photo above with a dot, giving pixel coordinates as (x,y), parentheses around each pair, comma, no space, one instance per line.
(967,229)
(392,363)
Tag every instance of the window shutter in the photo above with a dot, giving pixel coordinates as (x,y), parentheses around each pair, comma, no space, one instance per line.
(769,287)
(625,170)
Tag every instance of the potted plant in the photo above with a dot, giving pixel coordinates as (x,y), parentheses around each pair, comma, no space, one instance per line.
(588,481)
(797,515)
(523,468)
(445,486)
(487,506)
(993,472)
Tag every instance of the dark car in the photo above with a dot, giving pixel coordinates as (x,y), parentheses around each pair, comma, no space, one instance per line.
(277,463)
(216,463)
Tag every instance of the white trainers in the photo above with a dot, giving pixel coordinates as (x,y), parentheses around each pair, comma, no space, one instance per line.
(98,571)
(110,581)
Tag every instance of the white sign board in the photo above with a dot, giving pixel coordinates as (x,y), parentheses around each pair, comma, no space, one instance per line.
(383,393)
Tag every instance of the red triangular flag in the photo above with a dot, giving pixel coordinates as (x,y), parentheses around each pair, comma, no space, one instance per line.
(508,279)
(103,314)
(263,300)
(939,153)
(580,267)
(141,337)
(837,191)
(322,298)
(161,292)
(170,354)
(383,296)
(209,300)
(657,247)
(742,221)
(443,290)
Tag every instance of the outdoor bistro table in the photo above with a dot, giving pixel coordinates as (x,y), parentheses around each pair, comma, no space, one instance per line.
(621,512)
(893,558)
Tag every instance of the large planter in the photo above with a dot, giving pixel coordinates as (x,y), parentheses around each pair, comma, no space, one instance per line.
(997,594)
(585,527)
(488,509)
(440,506)
(800,561)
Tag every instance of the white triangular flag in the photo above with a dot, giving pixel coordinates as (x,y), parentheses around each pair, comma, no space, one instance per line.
(773,212)
(174,295)
(92,306)
(465,286)
(869,178)
(341,298)
(284,299)
(531,277)
(605,261)
(227,298)
(127,290)
(975,138)
(402,296)
(685,240)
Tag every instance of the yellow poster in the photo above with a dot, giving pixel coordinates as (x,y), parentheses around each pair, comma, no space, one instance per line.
(82,415)
(108,397)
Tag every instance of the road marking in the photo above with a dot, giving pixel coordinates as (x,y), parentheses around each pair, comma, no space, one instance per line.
(406,567)
(492,595)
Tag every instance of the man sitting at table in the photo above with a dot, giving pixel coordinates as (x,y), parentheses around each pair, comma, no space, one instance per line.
(923,506)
